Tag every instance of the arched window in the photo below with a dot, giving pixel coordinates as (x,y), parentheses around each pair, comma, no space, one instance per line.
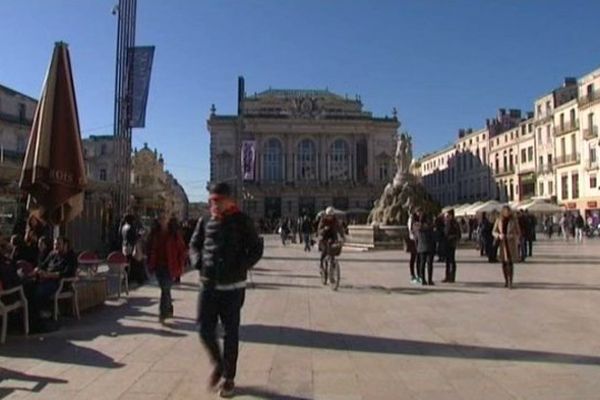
(273,168)
(339,168)
(307,160)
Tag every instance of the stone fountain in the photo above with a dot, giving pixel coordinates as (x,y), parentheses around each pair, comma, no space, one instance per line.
(386,226)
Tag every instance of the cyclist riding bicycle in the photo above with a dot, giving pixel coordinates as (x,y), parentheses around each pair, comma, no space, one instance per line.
(330,231)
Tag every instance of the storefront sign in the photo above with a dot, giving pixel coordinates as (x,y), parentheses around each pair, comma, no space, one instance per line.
(571,206)
(592,204)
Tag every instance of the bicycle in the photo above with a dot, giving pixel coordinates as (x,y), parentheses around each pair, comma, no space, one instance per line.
(330,267)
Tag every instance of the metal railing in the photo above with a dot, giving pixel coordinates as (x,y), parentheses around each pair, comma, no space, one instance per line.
(591,165)
(589,98)
(566,128)
(505,171)
(591,132)
(568,158)
(545,168)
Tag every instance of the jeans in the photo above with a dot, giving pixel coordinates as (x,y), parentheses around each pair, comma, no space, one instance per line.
(523,248)
(426,260)
(225,305)
(451,263)
(307,244)
(579,234)
(163,276)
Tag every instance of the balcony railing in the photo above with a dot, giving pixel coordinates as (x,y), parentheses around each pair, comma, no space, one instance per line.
(591,165)
(566,128)
(505,171)
(591,132)
(589,98)
(568,159)
(545,168)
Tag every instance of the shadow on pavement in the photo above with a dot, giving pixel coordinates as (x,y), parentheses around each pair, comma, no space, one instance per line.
(31,383)
(59,346)
(263,394)
(534,285)
(298,337)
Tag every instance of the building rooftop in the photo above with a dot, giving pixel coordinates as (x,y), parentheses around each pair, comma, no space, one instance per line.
(12,92)
(323,93)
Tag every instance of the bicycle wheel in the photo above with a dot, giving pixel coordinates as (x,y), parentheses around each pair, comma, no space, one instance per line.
(334,274)
(323,268)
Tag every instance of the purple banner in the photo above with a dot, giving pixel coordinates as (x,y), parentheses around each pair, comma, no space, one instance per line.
(141,66)
(248,160)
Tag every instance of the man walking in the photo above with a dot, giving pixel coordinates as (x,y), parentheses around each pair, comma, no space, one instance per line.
(223,248)
(452,234)
(306,229)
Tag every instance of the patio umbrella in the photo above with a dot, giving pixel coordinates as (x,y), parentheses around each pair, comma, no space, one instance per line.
(542,206)
(53,172)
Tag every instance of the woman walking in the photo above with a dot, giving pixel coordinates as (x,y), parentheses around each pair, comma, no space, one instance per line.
(506,232)
(166,258)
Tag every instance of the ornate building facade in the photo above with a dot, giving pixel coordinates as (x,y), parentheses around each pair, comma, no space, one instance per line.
(153,188)
(290,152)
(548,153)
(16,118)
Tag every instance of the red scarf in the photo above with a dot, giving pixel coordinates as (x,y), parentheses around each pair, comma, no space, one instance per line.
(228,207)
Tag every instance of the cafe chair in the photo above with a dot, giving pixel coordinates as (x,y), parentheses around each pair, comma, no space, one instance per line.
(5,308)
(67,290)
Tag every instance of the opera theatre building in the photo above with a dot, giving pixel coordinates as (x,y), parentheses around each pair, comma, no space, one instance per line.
(291,152)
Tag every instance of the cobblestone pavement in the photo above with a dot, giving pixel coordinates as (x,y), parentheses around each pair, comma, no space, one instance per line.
(378,337)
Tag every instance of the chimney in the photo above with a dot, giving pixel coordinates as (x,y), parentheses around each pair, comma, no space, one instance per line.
(570,81)
(461,133)
(241,94)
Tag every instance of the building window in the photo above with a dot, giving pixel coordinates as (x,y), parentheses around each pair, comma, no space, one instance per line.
(103,175)
(572,117)
(548,134)
(22,112)
(103,149)
(530,154)
(523,155)
(550,188)
(273,161)
(573,145)
(484,159)
(384,170)
(541,190)
(575,185)
(340,161)
(564,187)
(593,182)
(541,161)
(592,154)
(539,135)
(307,160)
(20,144)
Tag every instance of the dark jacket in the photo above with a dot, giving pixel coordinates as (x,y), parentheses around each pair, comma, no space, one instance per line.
(63,264)
(224,250)
(452,233)
(425,238)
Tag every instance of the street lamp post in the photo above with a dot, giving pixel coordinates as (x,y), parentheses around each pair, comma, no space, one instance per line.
(126,17)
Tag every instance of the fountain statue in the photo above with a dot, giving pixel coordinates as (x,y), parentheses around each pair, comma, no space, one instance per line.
(386,226)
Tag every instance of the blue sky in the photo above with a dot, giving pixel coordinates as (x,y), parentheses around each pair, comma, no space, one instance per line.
(444,64)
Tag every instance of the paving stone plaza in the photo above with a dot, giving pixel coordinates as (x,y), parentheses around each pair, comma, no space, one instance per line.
(378,337)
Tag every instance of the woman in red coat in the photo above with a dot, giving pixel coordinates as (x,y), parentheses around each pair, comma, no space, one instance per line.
(166,258)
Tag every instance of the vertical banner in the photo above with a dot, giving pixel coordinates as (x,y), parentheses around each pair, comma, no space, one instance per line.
(141,65)
(248,160)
